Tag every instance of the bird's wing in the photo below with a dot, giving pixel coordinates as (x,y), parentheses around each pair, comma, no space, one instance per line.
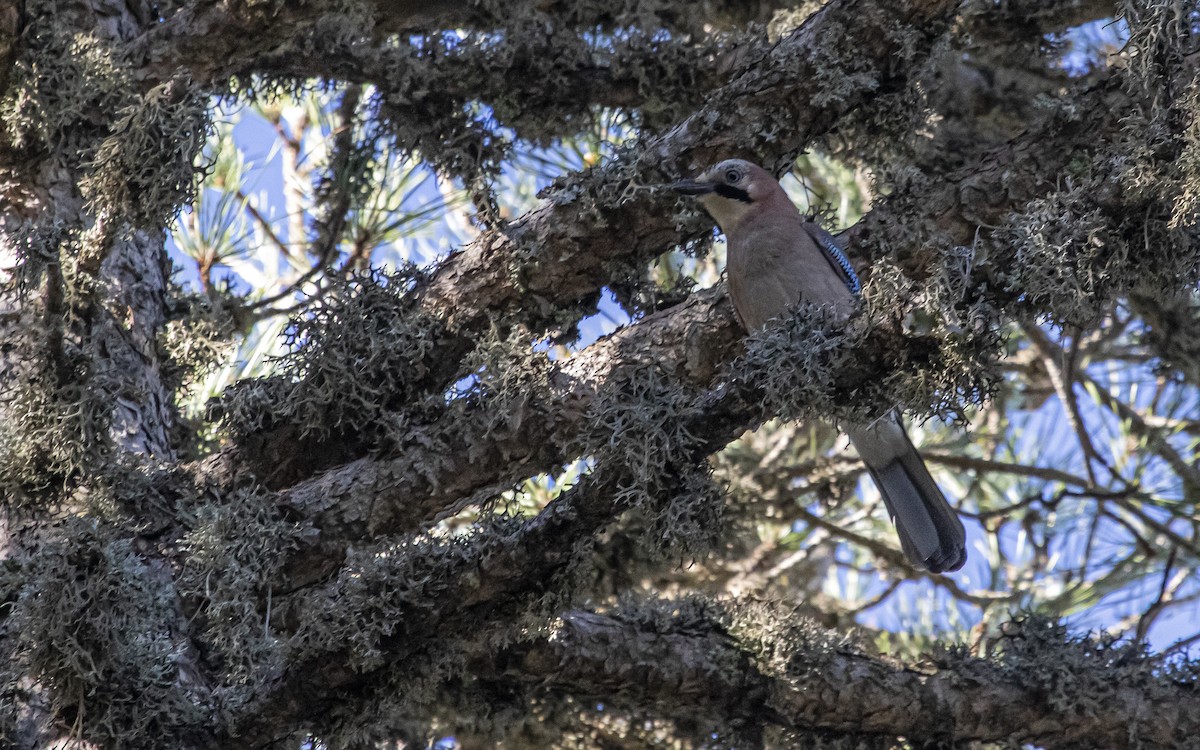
(834,256)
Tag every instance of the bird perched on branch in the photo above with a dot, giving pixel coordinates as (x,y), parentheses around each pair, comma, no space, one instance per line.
(778,258)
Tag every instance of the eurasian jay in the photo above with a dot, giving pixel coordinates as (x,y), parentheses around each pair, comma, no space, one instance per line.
(777,258)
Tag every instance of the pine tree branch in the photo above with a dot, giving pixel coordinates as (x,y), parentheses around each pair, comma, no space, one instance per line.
(412,15)
(215,39)
(709,674)
(1025,20)
(446,469)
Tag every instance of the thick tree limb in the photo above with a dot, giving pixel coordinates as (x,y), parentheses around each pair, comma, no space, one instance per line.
(616,661)
(409,15)
(490,578)
(90,354)
(1026,20)
(216,38)
(372,497)
(545,83)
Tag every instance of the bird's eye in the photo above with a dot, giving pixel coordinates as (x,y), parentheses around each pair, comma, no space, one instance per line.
(732,175)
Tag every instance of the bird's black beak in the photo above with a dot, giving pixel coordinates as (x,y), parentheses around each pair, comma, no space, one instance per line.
(693,187)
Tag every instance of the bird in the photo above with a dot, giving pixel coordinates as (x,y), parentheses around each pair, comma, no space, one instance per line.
(777,258)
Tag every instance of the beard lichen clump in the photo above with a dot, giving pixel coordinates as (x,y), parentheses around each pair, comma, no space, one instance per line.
(1076,672)
(637,434)
(1123,221)
(57,415)
(142,171)
(235,547)
(1067,263)
(356,354)
(91,621)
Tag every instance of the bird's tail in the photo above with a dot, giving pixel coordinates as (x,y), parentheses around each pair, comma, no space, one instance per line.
(931,533)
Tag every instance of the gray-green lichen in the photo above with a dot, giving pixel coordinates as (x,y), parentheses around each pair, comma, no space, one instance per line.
(60,86)
(234,547)
(92,624)
(464,115)
(815,364)
(57,415)
(1124,221)
(636,431)
(1075,674)
(142,173)
(354,356)
(109,160)
(199,335)
(75,95)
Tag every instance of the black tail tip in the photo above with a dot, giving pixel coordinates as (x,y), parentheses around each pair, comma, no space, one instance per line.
(946,560)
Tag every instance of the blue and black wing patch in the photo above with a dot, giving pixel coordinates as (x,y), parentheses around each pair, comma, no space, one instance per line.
(835,255)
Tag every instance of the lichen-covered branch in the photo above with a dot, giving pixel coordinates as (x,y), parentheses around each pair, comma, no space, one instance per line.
(94,167)
(1026,19)
(772,108)
(447,464)
(651,435)
(389,601)
(215,38)
(1096,695)
(402,15)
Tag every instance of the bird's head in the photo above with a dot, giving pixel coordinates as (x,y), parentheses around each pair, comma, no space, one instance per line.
(732,190)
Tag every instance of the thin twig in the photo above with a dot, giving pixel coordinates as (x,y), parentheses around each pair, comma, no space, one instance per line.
(261,220)
(1006,467)
(1051,355)
(325,245)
